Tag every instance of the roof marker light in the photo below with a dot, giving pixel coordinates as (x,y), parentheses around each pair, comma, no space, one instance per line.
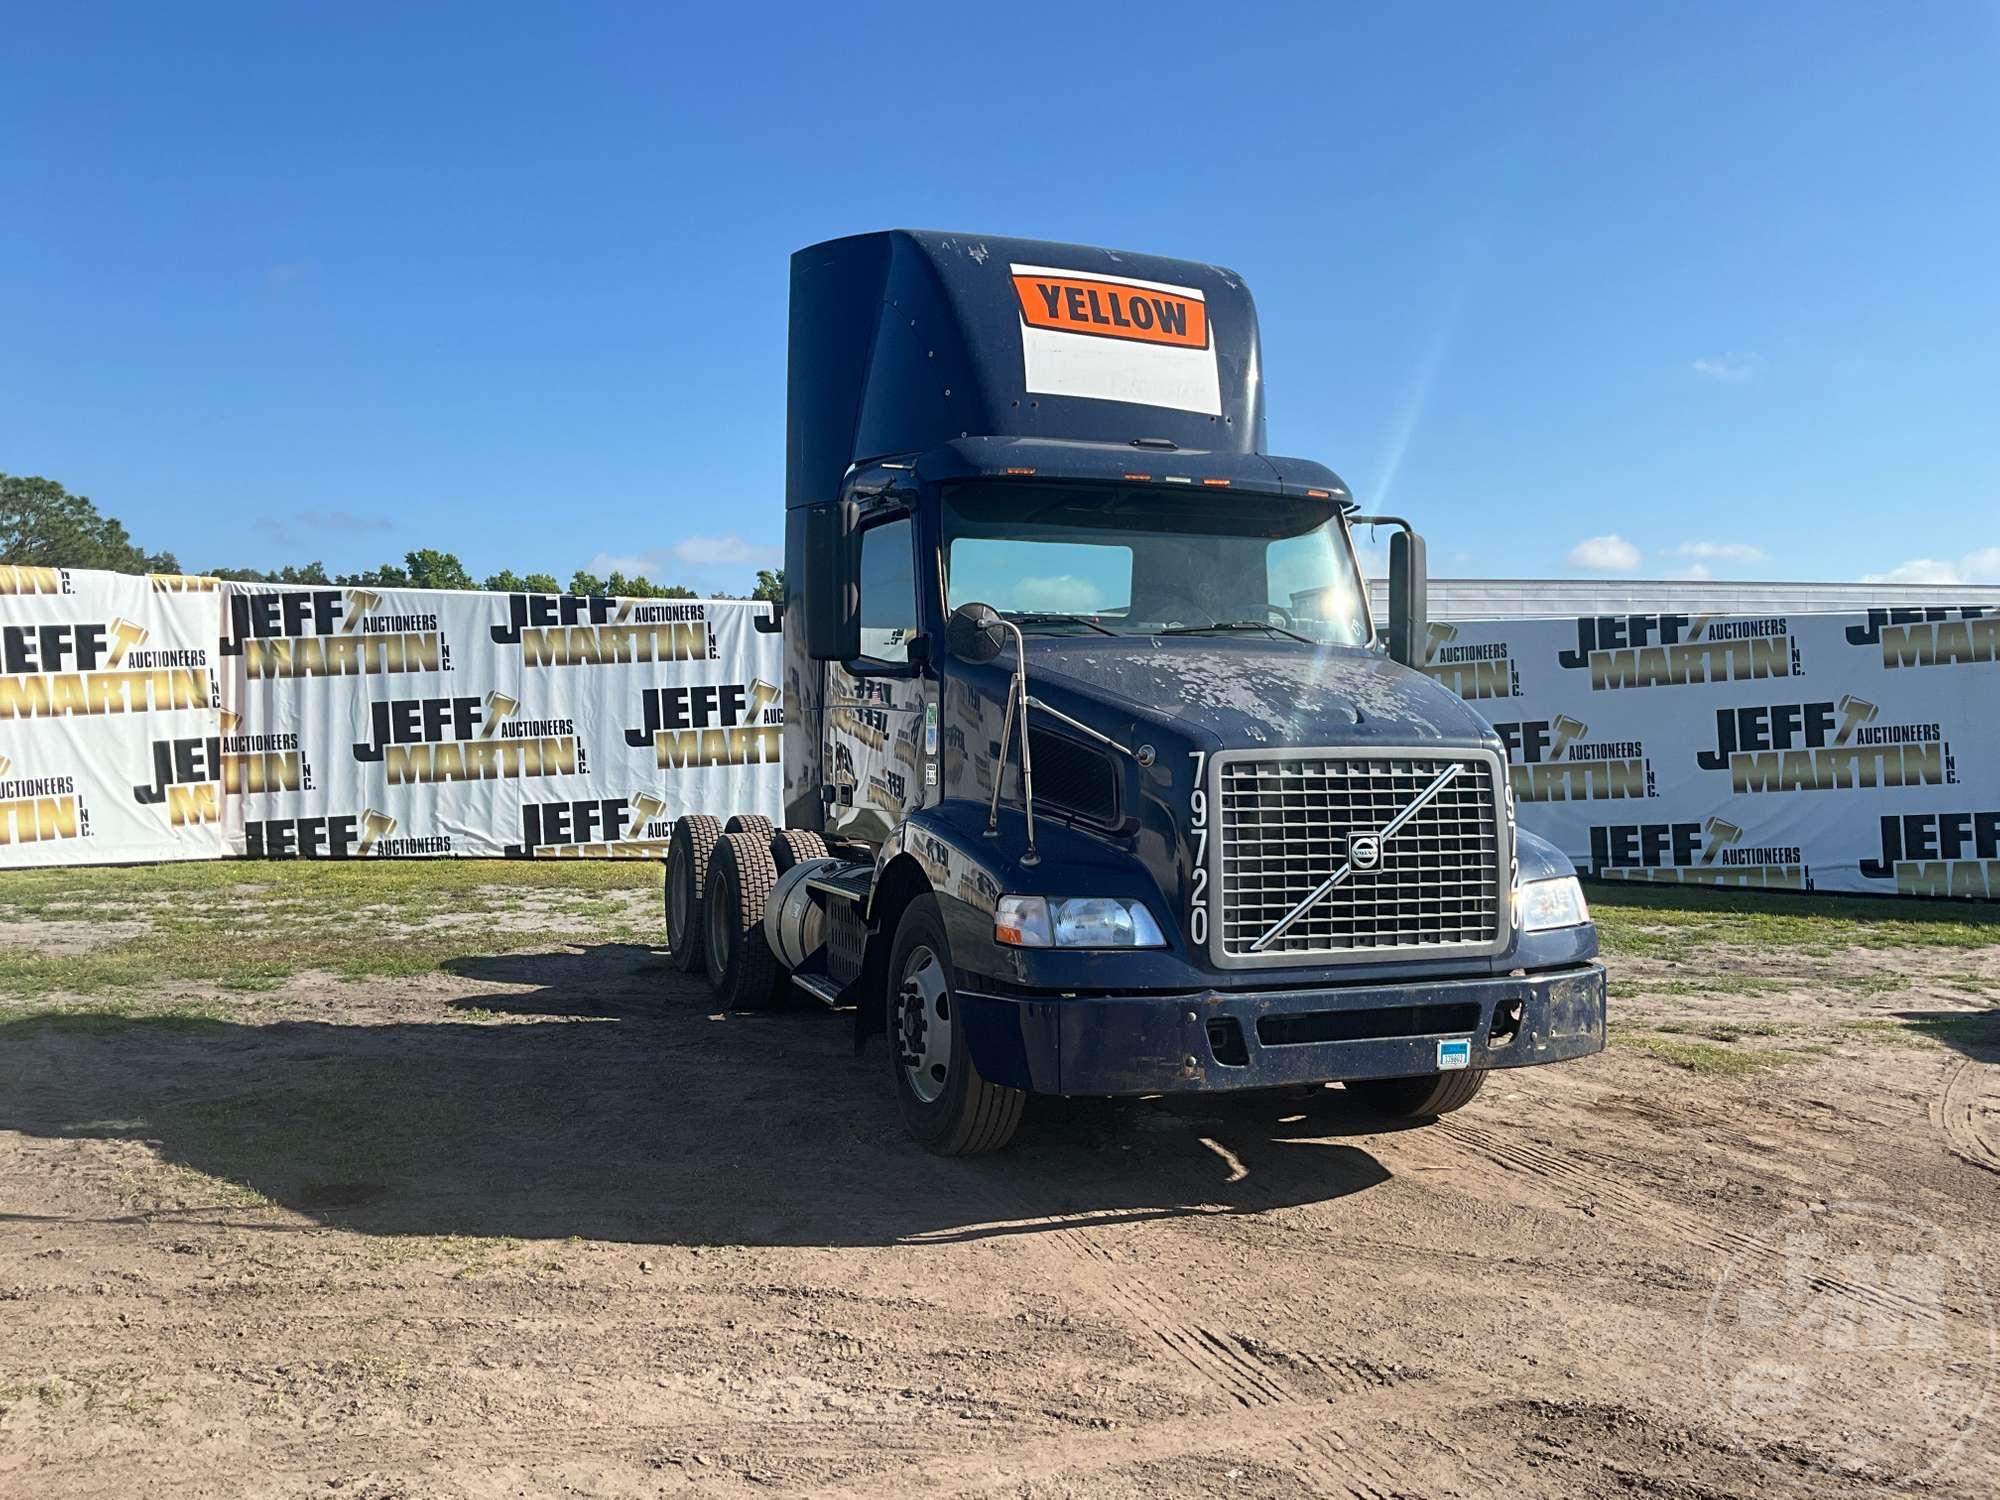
(1014,470)
(1319,494)
(1178,479)
(1218,484)
(1138,476)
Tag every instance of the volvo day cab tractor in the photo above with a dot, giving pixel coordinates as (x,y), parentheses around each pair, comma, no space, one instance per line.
(1096,778)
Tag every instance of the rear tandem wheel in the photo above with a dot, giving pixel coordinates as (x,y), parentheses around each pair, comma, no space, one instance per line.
(740,964)
(689,849)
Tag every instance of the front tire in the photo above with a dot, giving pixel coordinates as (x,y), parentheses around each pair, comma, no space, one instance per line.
(1421,1098)
(947,1107)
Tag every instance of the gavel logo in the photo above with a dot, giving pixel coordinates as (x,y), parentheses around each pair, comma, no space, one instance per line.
(124,636)
(360,602)
(375,825)
(499,707)
(1719,833)
(1566,731)
(1854,713)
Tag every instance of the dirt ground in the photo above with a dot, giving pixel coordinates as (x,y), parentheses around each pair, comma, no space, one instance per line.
(542,1223)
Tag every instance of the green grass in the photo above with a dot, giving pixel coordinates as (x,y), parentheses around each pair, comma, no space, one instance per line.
(1927,1030)
(1730,1031)
(1667,922)
(247,928)
(1723,982)
(1707,1058)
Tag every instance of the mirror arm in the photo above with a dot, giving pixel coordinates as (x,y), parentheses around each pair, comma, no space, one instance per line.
(1017,694)
(1080,727)
(1409,593)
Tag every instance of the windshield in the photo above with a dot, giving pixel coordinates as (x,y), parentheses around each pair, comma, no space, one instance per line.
(1129,560)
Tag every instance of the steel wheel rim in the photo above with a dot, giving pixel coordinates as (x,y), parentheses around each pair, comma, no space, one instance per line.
(924,1024)
(718,931)
(677,899)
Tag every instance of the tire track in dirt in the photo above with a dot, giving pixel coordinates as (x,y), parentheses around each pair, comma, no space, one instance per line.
(1584,1173)
(1066,1456)
(643,1445)
(1326,1460)
(1968,1114)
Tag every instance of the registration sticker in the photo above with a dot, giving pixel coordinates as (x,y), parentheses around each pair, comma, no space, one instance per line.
(1456,1054)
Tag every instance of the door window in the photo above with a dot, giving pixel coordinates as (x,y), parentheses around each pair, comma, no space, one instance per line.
(888,592)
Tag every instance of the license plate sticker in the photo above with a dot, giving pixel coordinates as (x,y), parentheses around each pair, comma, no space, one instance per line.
(1455,1054)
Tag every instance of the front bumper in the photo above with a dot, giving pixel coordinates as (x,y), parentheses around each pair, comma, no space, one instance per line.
(1215,1040)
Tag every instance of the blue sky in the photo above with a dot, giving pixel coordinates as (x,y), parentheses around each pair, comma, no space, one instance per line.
(1586,289)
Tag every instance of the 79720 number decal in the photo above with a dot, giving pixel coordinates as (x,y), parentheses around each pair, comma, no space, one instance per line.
(1198,837)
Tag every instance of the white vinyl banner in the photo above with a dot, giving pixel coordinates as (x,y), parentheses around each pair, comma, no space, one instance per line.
(108,697)
(412,722)
(173,717)
(1848,752)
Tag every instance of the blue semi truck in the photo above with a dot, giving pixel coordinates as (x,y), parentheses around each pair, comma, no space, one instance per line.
(1099,776)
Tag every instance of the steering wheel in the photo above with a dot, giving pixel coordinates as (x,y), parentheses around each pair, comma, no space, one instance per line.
(1167,597)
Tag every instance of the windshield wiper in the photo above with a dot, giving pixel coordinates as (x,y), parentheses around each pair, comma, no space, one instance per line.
(1050,619)
(1264,625)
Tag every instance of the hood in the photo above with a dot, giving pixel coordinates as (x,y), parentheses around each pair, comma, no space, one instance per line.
(1257,693)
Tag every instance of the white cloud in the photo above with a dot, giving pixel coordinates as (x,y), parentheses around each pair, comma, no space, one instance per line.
(1982,566)
(1728,369)
(1609,554)
(725,552)
(1720,552)
(714,555)
(1692,573)
(1064,593)
(605,562)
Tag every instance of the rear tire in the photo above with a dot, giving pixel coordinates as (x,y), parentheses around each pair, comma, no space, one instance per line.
(689,849)
(947,1107)
(755,823)
(794,846)
(740,963)
(1420,1098)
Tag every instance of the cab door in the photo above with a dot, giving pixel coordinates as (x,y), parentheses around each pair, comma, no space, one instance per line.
(875,755)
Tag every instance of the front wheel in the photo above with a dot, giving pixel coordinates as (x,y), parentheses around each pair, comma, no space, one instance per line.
(947,1107)
(1420,1098)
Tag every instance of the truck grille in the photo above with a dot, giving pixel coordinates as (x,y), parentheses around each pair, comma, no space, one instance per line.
(1284,825)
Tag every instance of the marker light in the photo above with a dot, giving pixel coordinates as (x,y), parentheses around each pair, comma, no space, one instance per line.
(1075,922)
(1542,905)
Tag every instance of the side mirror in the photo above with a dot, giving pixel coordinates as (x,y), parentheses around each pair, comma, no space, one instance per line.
(830,592)
(975,633)
(1409,599)
(1409,590)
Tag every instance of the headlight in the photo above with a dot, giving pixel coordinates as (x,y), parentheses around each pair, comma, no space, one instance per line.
(1075,922)
(1544,904)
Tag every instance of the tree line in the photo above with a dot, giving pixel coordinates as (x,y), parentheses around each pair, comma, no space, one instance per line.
(44,525)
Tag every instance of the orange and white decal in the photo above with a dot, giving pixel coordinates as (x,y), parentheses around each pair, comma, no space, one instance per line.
(1116,338)
(1114,309)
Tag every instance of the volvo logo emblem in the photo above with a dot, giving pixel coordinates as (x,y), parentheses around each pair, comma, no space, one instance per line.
(1364,851)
